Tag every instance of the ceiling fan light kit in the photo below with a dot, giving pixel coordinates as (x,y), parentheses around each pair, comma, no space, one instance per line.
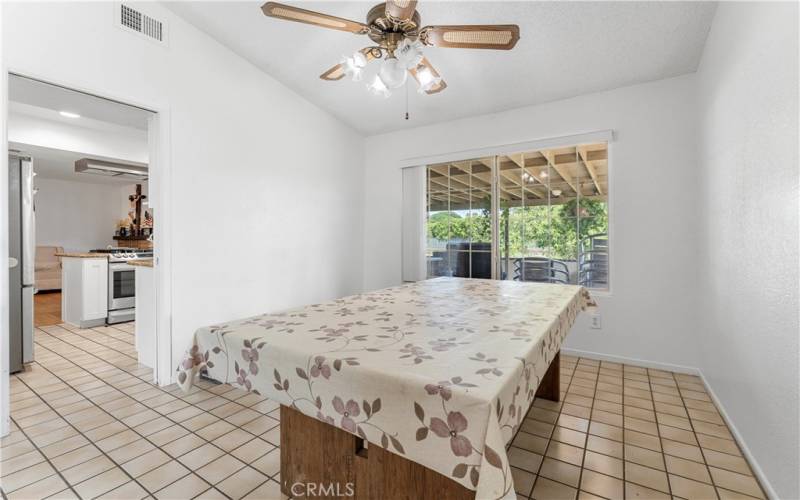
(353,66)
(394,26)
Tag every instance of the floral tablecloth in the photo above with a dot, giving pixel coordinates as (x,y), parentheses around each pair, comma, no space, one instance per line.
(441,371)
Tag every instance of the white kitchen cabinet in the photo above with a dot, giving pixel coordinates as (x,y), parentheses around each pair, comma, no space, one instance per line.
(84,291)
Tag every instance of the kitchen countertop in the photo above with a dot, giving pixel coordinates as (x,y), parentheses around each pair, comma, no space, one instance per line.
(83,255)
(141,262)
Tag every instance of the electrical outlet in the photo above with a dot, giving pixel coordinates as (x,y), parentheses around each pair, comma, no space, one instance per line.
(595,321)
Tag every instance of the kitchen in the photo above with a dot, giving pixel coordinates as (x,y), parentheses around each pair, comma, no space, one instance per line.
(82,225)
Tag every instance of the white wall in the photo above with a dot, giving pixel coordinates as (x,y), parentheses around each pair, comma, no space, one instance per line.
(78,216)
(266,189)
(748,111)
(4,317)
(649,314)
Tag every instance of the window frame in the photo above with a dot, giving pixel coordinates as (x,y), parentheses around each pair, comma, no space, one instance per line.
(541,144)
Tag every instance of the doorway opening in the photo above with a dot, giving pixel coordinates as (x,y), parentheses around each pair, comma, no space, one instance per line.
(82,226)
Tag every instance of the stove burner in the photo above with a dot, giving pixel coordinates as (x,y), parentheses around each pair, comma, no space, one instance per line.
(121,254)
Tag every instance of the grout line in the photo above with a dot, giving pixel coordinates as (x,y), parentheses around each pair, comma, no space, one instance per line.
(589,420)
(46,459)
(176,423)
(699,446)
(60,350)
(664,424)
(553,430)
(117,464)
(622,377)
(760,478)
(93,443)
(660,442)
(622,406)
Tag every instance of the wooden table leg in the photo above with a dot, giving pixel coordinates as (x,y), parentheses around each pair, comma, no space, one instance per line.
(550,386)
(321,461)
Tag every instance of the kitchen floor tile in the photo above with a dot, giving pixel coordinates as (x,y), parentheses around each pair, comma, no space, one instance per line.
(101,483)
(186,487)
(524,459)
(545,489)
(227,465)
(162,476)
(40,489)
(560,471)
(647,477)
(602,485)
(241,483)
(602,463)
(687,468)
(29,475)
(690,489)
(89,406)
(736,482)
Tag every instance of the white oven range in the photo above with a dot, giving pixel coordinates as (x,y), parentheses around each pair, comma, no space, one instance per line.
(122,282)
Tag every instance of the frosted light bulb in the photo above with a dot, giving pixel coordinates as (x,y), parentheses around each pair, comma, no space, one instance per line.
(426,79)
(351,69)
(409,53)
(392,73)
(378,88)
(359,59)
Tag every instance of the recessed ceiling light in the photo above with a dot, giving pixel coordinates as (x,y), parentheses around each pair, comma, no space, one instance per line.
(69,114)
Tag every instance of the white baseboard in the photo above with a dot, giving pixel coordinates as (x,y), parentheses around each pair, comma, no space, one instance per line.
(762,478)
(632,361)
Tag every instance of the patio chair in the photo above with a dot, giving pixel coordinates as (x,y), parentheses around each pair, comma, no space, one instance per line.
(541,269)
(593,261)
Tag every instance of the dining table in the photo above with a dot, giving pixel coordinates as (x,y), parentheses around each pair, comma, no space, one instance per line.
(403,392)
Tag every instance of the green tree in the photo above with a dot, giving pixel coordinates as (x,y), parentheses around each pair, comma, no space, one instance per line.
(553,231)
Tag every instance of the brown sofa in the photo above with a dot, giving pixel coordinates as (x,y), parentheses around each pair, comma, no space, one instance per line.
(47,270)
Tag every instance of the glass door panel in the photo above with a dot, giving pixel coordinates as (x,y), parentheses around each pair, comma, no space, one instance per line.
(459,219)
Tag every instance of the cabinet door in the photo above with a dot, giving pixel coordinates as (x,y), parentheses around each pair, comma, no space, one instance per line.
(95,289)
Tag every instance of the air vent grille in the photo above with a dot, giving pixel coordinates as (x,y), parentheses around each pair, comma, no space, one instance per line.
(141,23)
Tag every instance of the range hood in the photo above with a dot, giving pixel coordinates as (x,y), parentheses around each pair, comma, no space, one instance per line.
(132,171)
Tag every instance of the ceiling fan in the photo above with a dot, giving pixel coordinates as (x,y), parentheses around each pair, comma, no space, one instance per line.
(394,27)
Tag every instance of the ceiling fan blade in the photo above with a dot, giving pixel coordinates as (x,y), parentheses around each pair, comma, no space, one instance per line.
(337,72)
(400,10)
(422,79)
(476,36)
(289,13)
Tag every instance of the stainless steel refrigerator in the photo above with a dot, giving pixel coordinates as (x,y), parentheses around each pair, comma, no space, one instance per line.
(21,252)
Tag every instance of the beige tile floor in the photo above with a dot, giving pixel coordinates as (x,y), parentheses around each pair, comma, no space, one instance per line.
(622,431)
(87,423)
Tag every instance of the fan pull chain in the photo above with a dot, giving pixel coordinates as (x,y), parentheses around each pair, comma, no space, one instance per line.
(406,99)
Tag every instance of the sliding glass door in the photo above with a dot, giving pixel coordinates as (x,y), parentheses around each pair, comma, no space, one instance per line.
(459,219)
(529,216)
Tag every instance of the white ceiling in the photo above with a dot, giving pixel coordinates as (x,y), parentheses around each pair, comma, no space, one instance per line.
(566,49)
(50,138)
(33,93)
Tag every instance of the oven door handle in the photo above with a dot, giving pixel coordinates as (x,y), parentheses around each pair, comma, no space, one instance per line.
(120,266)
